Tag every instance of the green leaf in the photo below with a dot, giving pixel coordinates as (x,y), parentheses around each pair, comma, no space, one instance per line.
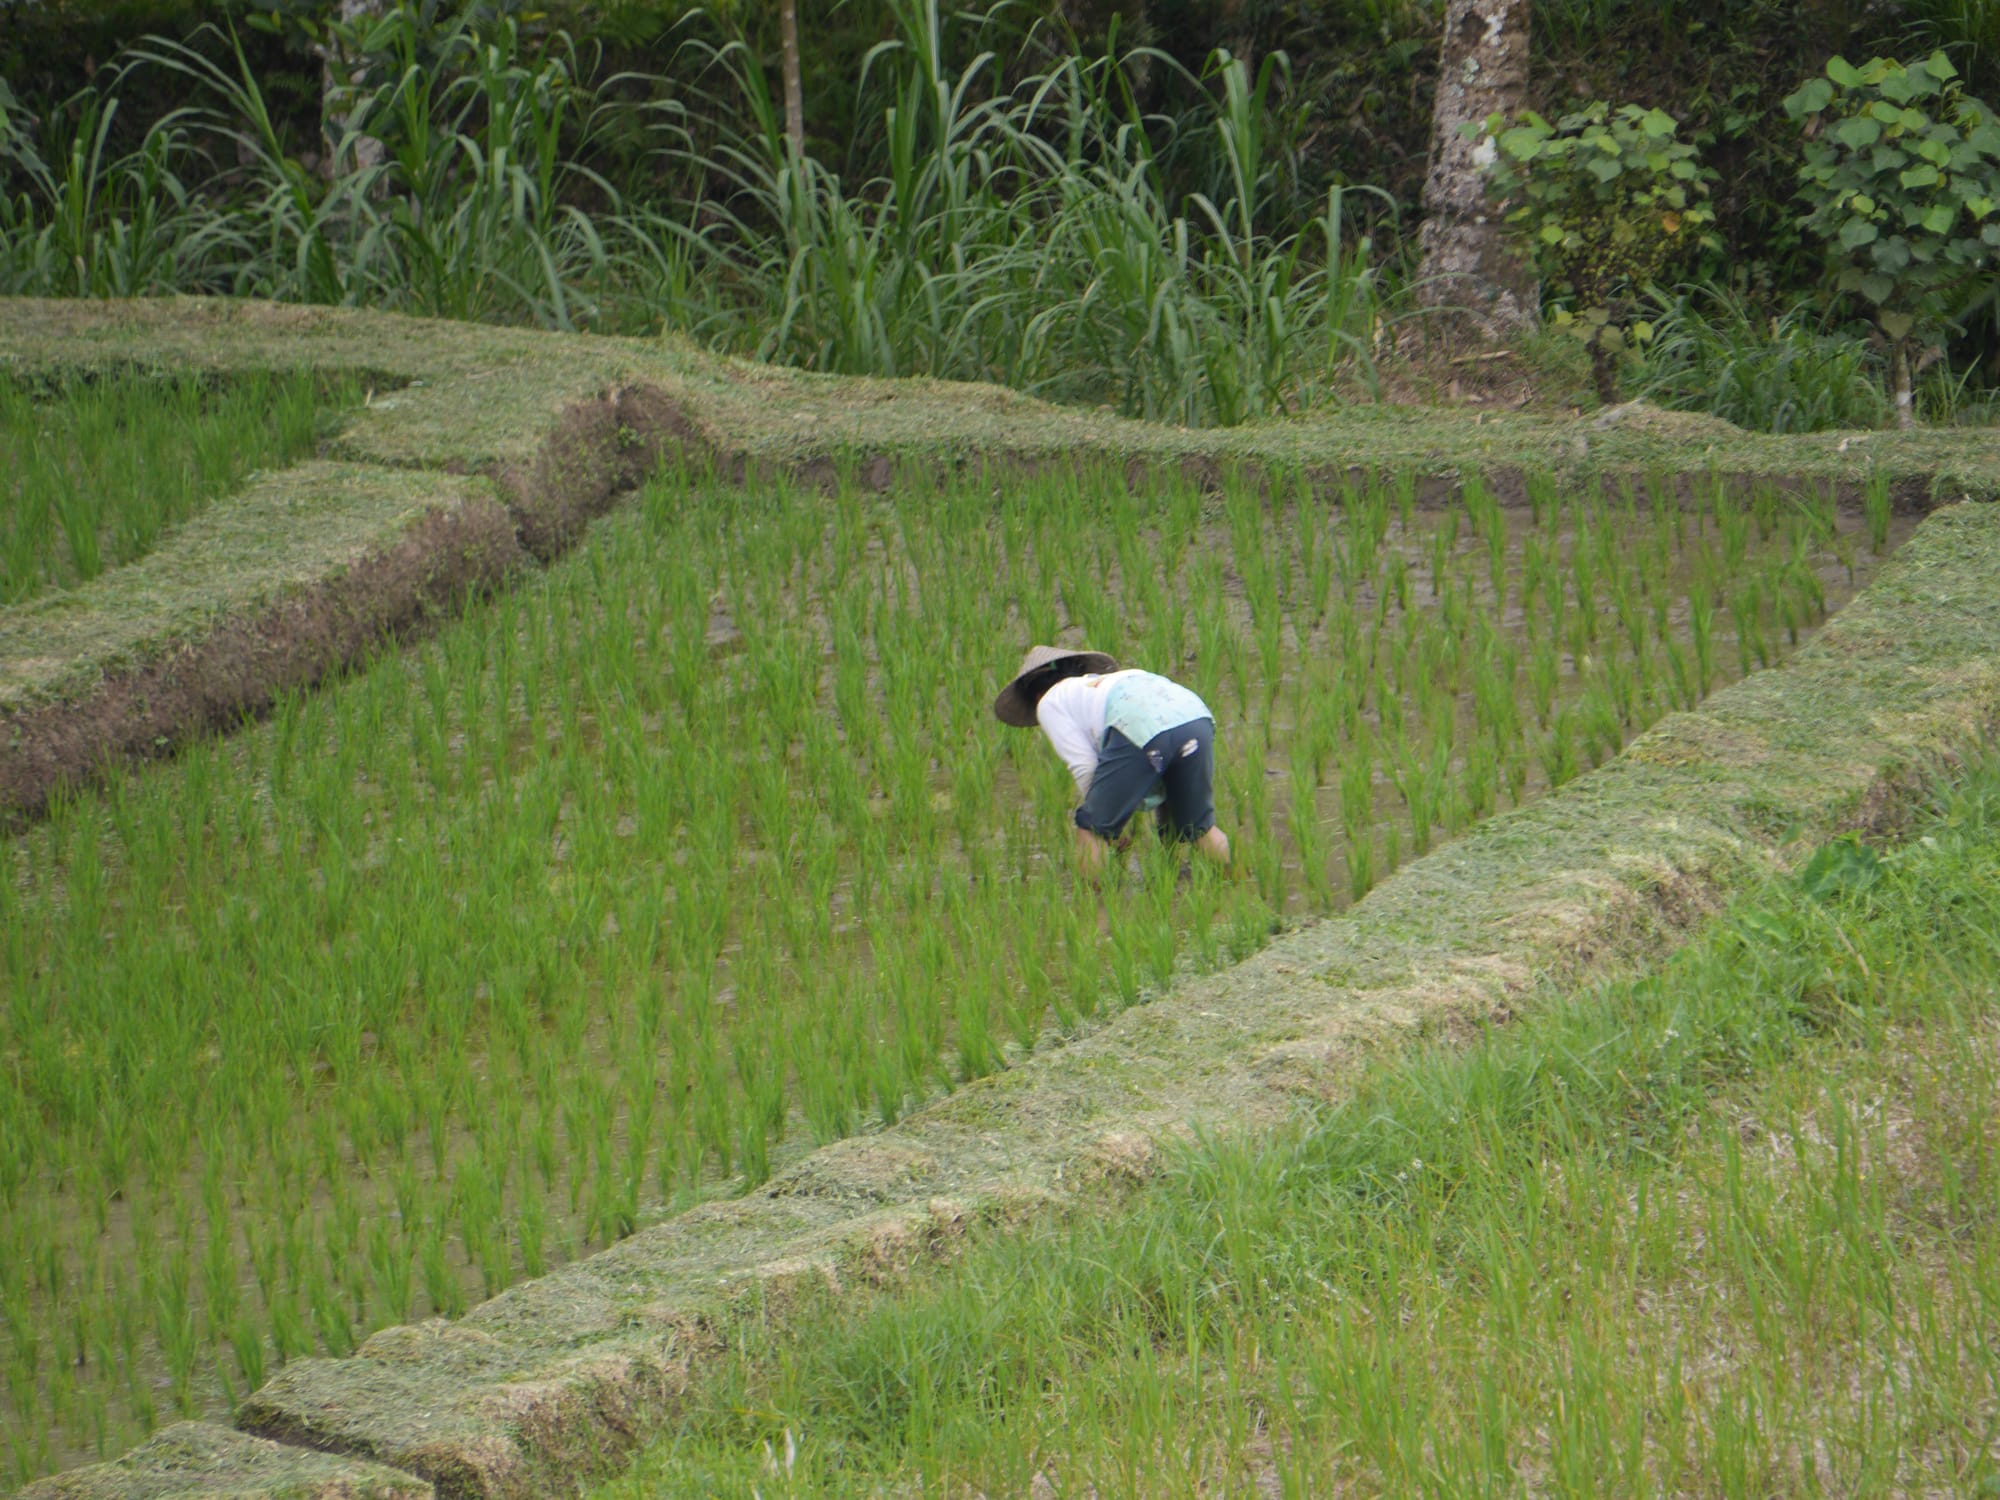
(1552,234)
(1878,288)
(1604,169)
(1887,159)
(1986,138)
(1888,114)
(1657,123)
(1940,67)
(1842,72)
(1857,132)
(1891,254)
(1521,142)
(1811,97)
(1896,324)
(1841,870)
(1939,219)
(1991,233)
(1857,232)
(1921,175)
(1861,203)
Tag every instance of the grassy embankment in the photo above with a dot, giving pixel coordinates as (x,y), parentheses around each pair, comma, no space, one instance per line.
(745,864)
(1723,1229)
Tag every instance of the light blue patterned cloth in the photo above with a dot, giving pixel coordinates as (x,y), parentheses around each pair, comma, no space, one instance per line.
(1143,704)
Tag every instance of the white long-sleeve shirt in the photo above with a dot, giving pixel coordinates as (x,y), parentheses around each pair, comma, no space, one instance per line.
(1072,715)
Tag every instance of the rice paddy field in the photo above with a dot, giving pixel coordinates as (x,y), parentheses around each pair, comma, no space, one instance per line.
(91,472)
(703,847)
(1722,1229)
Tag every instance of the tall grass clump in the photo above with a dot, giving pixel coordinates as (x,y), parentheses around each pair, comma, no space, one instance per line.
(1714,1230)
(701,848)
(1784,372)
(1027,233)
(92,220)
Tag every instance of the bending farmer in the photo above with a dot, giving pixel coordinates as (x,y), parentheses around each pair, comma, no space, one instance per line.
(1131,739)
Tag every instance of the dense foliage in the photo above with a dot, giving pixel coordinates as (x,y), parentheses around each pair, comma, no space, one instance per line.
(1602,202)
(1093,200)
(1902,173)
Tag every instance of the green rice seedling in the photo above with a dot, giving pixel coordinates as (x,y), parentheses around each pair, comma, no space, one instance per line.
(101,468)
(977,1055)
(1558,749)
(1443,539)
(178,1341)
(1498,554)
(1877,507)
(1411,773)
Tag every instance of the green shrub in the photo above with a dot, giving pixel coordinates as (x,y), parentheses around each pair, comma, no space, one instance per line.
(1602,202)
(1902,173)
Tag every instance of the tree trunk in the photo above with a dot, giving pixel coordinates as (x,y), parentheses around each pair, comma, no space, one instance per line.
(1468,265)
(795,102)
(336,94)
(1904,385)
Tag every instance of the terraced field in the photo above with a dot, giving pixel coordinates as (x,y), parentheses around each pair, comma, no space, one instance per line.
(684,897)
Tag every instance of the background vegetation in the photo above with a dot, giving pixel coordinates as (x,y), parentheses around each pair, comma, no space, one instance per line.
(1197,213)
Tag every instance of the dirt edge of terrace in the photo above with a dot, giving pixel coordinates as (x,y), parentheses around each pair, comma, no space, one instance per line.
(559,1380)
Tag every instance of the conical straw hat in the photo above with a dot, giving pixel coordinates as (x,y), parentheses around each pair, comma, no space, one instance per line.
(1016,705)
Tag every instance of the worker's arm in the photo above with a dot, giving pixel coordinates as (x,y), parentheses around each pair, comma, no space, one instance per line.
(1092,852)
(1070,716)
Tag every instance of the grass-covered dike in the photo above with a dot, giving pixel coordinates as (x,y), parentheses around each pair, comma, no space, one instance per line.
(558,1378)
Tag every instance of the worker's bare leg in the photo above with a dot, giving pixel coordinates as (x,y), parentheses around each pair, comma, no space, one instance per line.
(1215,844)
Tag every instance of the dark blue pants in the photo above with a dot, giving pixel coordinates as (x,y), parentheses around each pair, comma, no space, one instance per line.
(1179,762)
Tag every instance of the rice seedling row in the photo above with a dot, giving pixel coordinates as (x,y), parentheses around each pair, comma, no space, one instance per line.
(703,848)
(95,471)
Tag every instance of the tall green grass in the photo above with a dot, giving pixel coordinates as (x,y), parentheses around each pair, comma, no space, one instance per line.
(1026,235)
(92,472)
(1027,231)
(1714,352)
(703,847)
(1721,1230)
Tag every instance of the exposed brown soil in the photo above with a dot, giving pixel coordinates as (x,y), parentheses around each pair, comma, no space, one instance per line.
(596,450)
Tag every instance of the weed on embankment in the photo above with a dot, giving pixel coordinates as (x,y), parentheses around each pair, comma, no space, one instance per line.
(703,847)
(1725,1229)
